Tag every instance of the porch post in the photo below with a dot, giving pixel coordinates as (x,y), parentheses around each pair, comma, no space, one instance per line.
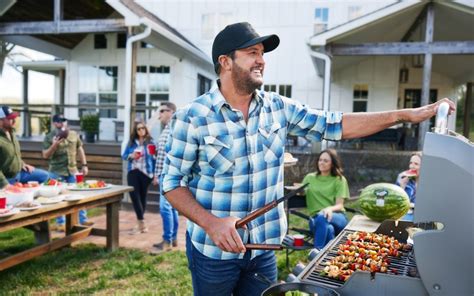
(62,85)
(467,110)
(425,92)
(26,113)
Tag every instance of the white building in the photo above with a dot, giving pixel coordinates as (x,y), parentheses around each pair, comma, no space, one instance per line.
(289,69)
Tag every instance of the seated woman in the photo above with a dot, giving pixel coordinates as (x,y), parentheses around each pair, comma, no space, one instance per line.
(325,196)
(408,180)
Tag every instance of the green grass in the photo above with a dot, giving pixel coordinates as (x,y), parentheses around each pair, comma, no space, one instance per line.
(90,269)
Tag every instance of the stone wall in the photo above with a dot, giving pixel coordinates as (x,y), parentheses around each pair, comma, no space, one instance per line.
(361,167)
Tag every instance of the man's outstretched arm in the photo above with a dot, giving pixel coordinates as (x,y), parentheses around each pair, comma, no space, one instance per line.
(357,125)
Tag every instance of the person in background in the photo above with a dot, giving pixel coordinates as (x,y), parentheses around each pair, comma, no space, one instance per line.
(141,167)
(12,167)
(61,147)
(325,197)
(408,180)
(169,215)
(224,159)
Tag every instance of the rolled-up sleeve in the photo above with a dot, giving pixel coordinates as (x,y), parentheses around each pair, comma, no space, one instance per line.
(181,152)
(313,124)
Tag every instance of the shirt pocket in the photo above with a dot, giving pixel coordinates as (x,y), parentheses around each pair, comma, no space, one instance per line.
(272,142)
(219,153)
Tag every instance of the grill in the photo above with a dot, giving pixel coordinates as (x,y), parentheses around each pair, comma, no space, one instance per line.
(444,256)
(405,264)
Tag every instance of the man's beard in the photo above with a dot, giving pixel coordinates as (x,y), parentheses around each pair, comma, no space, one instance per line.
(243,81)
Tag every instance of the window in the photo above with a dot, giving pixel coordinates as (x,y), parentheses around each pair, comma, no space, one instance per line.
(100,41)
(211,23)
(283,89)
(270,87)
(152,88)
(361,95)
(321,17)
(204,84)
(354,12)
(121,40)
(98,86)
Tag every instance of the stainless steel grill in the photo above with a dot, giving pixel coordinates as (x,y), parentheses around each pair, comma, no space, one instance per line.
(444,256)
(404,265)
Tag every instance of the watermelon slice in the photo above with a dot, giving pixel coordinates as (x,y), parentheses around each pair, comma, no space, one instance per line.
(411,173)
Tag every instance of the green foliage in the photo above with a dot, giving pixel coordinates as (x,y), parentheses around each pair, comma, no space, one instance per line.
(45,124)
(90,123)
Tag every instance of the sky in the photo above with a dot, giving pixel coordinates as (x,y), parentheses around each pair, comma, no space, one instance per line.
(41,86)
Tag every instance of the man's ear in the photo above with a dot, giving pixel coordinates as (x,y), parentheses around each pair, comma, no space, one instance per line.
(225,62)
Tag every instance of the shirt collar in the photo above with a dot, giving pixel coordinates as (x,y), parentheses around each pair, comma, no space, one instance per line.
(218,99)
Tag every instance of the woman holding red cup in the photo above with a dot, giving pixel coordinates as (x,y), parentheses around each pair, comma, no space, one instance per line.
(141,166)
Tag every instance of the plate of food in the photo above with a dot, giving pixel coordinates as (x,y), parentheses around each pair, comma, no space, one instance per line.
(73,197)
(28,205)
(289,160)
(9,211)
(50,200)
(89,186)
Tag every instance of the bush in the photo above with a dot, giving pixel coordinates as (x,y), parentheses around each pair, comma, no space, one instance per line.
(90,123)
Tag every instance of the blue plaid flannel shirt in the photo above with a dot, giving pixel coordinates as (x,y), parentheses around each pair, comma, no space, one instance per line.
(233,167)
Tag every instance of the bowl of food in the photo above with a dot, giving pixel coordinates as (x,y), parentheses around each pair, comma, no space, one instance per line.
(49,190)
(18,196)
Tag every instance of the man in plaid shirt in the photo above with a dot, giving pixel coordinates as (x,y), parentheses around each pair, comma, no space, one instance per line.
(169,215)
(225,160)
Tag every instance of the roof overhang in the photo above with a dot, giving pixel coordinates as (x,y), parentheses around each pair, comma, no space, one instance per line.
(163,36)
(47,67)
(452,47)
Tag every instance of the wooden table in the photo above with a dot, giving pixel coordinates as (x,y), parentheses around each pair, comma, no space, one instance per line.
(38,221)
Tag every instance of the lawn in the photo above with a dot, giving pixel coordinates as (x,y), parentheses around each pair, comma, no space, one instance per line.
(90,269)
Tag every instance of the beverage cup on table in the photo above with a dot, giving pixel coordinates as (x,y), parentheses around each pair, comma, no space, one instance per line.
(298,240)
(79,177)
(3,202)
(151,149)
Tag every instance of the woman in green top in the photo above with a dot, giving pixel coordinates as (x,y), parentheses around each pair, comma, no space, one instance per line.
(325,196)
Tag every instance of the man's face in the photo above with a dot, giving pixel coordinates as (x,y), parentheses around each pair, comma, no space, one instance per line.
(247,68)
(164,114)
(60,125)
(8,124)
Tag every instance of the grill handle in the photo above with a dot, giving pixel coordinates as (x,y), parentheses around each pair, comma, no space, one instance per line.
(441,126)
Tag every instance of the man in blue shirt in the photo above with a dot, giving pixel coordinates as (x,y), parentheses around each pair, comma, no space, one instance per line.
(225,160)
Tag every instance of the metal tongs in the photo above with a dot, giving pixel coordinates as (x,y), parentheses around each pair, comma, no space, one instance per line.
(261,211)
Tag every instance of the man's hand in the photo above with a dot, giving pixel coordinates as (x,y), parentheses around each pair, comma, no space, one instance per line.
(57,140)
(28,168)
(85,170)
(223,233)
(423,113)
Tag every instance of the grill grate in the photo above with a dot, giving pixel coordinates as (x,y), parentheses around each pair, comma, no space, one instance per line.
(405,264)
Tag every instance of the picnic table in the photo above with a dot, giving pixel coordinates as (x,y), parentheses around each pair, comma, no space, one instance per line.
(38,221)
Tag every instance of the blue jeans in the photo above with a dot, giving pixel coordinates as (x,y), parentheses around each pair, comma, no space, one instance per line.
(37,175)
(323,230)
(170,220)
(68,179)
(229,277)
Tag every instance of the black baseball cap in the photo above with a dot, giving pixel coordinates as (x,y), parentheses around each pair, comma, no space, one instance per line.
(59,118)
(238,36)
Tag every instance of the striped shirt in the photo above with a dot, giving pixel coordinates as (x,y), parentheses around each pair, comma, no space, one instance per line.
(233,167)
(160,150)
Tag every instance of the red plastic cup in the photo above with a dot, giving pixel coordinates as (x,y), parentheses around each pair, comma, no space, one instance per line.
(138,152)
(3,202)
(79,177)
(298,240)
(151,149)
